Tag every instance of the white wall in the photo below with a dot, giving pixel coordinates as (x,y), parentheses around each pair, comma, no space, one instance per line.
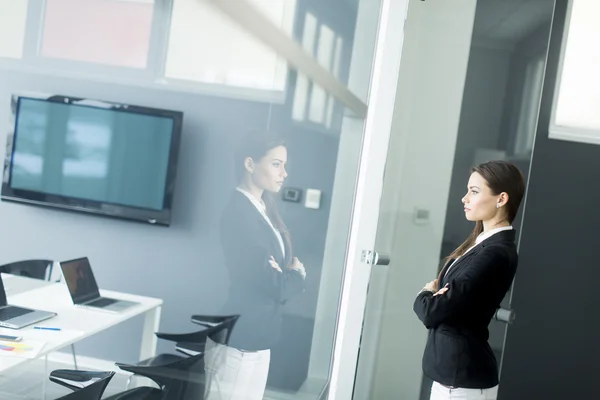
(418,173)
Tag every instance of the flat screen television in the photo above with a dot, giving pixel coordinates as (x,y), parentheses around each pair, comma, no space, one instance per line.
(92,156)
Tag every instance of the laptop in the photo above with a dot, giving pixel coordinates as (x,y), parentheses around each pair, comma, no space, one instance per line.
(84,289)
(18,317)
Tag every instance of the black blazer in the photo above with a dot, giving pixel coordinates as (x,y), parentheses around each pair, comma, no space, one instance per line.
(257,291)
(457,351)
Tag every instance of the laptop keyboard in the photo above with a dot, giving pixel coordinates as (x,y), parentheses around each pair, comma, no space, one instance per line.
(101,302)
(8,313)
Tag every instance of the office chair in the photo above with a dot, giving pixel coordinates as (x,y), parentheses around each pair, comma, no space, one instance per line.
(86,385)
(35,269)
(180,377)
(212,320)
(190,344)
(208,321)
(178,380)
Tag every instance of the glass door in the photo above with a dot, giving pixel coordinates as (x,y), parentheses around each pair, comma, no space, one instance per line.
(343,61)
(321,75)
(459,108)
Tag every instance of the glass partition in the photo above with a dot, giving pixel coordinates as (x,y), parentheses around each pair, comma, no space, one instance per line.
(260,227)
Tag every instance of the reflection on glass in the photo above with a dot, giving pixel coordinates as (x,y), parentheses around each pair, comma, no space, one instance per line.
(311,102)
(85,149)
(302,84)
(530,102)
(297,328)
(98,31)
(205,46)
(85,152)
(13,15)
(263,270)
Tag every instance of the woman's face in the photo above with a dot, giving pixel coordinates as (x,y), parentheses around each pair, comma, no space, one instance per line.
(269,172)
(480,203)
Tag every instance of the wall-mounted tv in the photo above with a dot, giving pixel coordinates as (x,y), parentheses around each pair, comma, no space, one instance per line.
(92,156)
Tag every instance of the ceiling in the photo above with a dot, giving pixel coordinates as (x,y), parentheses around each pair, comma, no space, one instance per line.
(510,21)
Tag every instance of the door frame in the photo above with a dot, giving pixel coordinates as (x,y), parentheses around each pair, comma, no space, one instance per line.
(369,189)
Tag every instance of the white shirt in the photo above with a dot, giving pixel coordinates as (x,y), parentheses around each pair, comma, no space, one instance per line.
(482,236)
(263,211)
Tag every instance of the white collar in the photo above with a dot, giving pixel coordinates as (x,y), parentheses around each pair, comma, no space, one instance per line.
(260,206)
(486,235)
(262,209)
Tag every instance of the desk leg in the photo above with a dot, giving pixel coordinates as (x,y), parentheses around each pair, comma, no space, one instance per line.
(45,377)
(148,348)
(149,341)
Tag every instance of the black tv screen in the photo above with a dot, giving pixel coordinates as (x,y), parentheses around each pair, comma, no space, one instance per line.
(92,156)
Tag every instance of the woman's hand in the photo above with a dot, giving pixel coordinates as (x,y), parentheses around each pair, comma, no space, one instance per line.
(274,264)
(441,291)
(432,286)
(298,266)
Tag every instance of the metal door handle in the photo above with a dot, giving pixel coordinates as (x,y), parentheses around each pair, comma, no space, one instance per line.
(371,257)
(504,315)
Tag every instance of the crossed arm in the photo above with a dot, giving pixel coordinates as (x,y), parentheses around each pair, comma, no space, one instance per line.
(435,308)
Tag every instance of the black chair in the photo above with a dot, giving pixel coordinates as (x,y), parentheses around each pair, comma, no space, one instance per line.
(212,320)
(178,380)
(86,385)
(190,344)
(227,322)
(36,269)
(179,377)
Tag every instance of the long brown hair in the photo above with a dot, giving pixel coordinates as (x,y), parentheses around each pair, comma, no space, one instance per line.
(256,145)
(500,176)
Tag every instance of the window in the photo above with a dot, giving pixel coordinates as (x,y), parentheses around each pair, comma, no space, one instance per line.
(311,102)
(577,100)
(112,32)
(13,16)
(196,51)
(189,45)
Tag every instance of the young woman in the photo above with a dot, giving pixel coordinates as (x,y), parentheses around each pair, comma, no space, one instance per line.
(457,306)
(263,272)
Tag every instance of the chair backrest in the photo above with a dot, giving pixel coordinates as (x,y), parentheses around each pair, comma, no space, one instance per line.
(37,269)
(221,332)
(218,332)
(221,326)
(87,385)
(183,379)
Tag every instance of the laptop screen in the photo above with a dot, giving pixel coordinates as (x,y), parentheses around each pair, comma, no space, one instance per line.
(80,280)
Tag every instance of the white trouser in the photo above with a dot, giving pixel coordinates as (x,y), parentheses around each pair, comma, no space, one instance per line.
(232,374)
(440,392)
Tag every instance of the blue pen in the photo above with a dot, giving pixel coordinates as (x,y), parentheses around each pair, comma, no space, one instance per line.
(46,328)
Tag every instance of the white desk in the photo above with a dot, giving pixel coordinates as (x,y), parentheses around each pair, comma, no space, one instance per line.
(76,323)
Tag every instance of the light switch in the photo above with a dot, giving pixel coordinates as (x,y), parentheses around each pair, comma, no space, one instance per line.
(312,199)
(292,194)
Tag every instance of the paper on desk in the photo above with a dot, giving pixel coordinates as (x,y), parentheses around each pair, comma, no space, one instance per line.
(23,349)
